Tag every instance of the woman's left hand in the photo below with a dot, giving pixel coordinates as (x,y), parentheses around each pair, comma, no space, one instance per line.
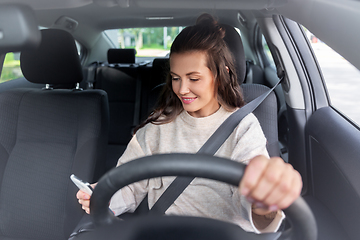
(270,184)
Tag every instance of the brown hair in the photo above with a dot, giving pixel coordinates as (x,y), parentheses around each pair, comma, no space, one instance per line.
(205,36)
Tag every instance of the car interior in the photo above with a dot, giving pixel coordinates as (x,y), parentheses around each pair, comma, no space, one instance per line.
(75,107)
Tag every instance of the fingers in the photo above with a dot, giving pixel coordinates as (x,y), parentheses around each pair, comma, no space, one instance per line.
(293,193)
(252,175)
(84,200)
(269,178)
(271,183)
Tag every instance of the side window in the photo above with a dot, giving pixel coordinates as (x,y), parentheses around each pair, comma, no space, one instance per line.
(80,49)
(341,77)
(11,68)
(267,53)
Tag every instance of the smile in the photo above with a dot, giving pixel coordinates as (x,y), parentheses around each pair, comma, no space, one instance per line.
(188,100)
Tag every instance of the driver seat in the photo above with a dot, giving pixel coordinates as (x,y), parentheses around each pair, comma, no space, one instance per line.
(266,113)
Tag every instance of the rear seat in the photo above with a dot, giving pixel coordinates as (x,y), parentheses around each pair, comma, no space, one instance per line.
(121,90)
(152,82)
(121,79)
(119,56)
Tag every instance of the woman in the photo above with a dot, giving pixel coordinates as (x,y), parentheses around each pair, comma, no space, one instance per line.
(201,92)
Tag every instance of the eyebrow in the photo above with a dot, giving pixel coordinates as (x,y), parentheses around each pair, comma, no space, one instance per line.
(190,73)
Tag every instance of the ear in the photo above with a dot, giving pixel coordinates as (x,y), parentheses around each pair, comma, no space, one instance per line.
(227,68)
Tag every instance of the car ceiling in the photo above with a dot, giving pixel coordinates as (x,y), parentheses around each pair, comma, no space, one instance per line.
(106,14)
(330,20)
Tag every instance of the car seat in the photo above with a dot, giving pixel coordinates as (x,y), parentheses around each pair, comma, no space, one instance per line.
(45,136)
(266,113)
(118,55)
(120,81)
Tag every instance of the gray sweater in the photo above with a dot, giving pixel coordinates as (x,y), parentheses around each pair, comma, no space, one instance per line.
(205,198)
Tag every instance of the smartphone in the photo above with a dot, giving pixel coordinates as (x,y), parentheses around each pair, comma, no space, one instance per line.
(82,185)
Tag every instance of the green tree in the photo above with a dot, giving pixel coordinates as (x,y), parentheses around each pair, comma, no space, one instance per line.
(11,68)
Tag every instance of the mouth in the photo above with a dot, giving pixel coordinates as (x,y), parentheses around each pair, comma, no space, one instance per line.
(187,100)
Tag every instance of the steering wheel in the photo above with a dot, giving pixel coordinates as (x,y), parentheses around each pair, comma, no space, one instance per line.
(108,226)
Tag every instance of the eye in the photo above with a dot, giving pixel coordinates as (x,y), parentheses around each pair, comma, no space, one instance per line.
(175,78)
(194,79)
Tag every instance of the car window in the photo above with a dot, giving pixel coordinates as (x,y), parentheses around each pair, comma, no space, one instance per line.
(267,53)
(341,77)
(80,49)
(11,68)
(148,42)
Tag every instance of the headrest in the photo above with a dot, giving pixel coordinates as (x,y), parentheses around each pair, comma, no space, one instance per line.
(55,61)
(18,28)
(161,62)
(234,43)
(117,55)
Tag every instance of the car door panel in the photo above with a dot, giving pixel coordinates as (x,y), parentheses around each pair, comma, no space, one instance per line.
(333,151)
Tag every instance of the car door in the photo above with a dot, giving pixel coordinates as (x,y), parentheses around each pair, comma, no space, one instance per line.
(323,142)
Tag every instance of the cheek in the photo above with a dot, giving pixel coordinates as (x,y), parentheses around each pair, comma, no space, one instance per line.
(175,86)
(214,88)
(208,90)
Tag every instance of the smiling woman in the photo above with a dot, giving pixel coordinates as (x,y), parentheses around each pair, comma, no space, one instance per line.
(194,83)
(204,40)
(200,95)
(302,120)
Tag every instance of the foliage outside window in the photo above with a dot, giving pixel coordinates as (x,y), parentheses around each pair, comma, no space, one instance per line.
(267,52)
(11,68)
(154,42)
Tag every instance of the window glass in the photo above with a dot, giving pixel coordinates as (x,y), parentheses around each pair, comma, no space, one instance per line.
(148,42)
(79,48)
(11,68)
(267,52)
(341,77)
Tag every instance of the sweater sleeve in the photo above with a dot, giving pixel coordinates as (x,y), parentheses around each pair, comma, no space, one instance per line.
(128,198)
(251,143)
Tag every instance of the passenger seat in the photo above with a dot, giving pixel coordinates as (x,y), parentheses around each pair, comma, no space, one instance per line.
(45,136)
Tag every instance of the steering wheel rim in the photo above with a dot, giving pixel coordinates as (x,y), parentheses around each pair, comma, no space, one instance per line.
(192,165)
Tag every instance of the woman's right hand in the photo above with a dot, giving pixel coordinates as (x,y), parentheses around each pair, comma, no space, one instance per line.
(84,199)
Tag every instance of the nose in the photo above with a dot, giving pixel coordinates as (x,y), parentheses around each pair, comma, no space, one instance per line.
(184,87)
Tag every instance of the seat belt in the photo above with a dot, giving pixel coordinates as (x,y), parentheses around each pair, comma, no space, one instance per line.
(137,106)
(210,147)
(136,119)
(91,75)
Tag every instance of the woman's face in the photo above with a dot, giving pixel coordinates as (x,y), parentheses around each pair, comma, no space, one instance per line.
(193,83)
